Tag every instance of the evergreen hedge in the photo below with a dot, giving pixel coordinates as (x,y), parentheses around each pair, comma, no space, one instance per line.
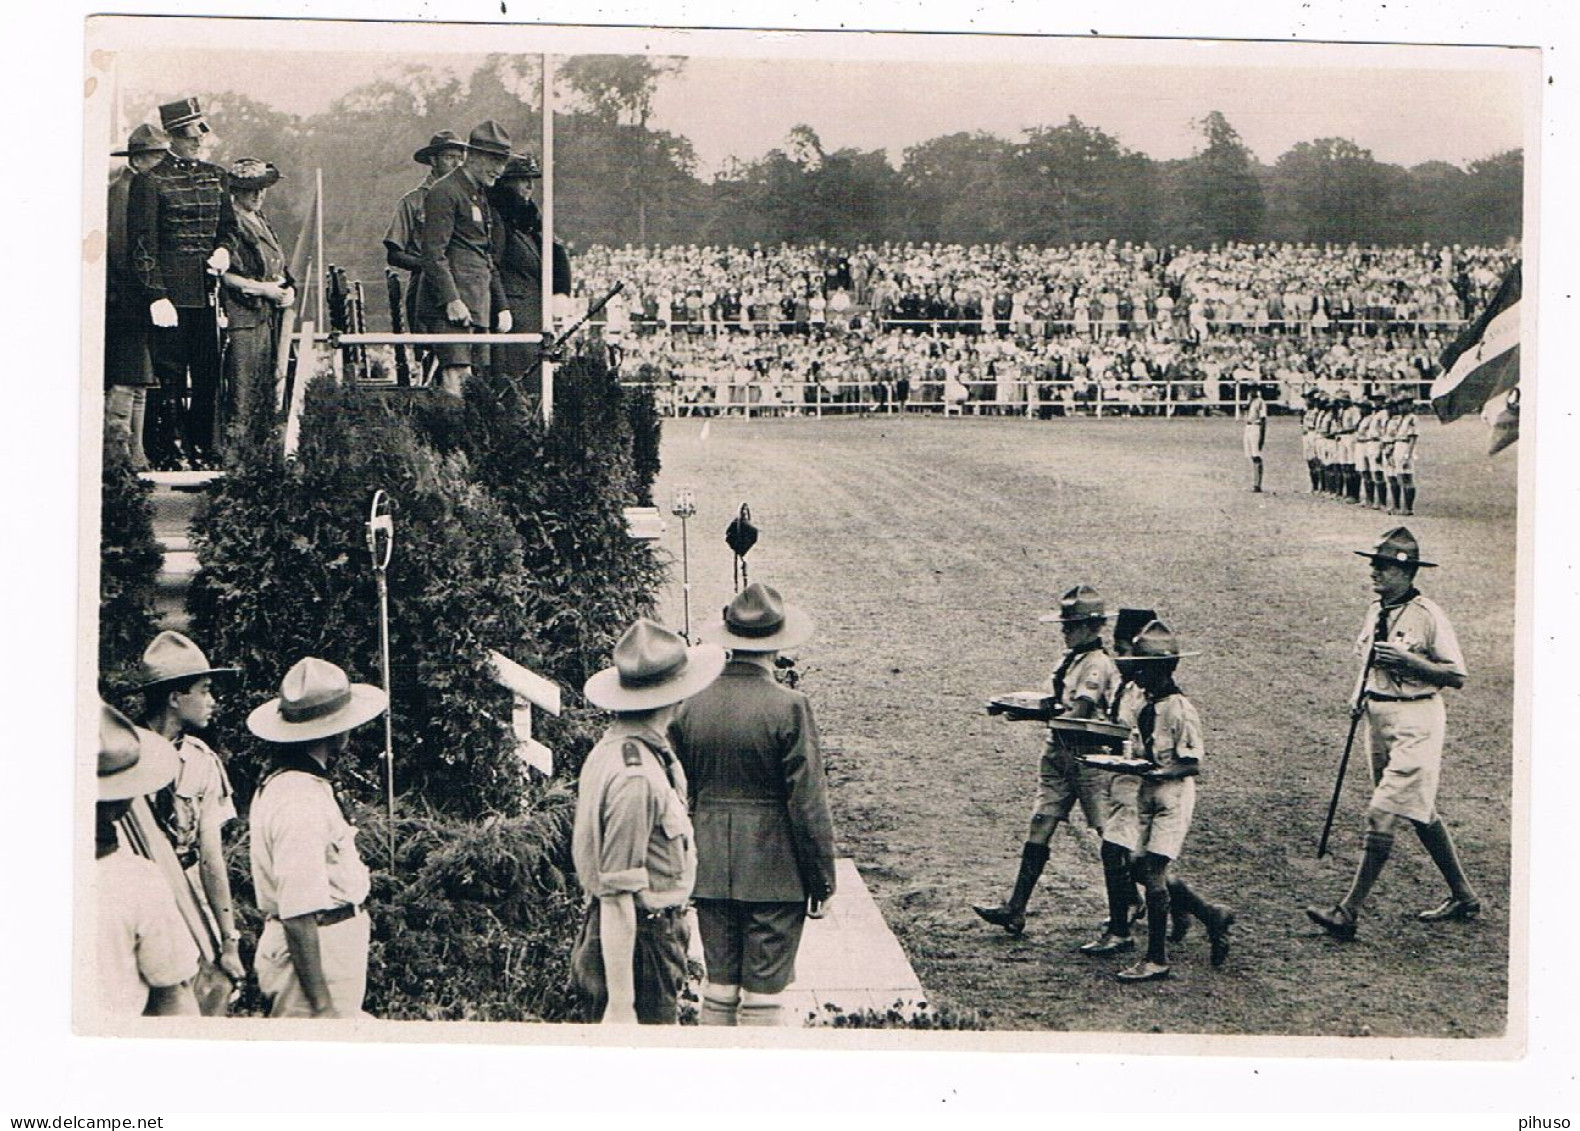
(129,563)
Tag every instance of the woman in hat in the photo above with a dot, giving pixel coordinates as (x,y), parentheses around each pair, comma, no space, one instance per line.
(632,841)
(765,837)
(518,245)
(258,286)
(1412,653)
(146,957)
(178,697)
(128,371)
(310,882)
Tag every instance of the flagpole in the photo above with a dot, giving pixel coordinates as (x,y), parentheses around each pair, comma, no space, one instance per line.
(322,264)
(546,276)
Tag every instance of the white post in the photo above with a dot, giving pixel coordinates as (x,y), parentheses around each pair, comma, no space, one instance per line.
(318,245)
(547,275)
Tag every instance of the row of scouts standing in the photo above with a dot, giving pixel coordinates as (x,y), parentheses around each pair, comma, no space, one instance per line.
(197,278)
(706,790)
(1361,450)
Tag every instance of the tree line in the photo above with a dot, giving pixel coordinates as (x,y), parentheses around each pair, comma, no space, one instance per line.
(618,180)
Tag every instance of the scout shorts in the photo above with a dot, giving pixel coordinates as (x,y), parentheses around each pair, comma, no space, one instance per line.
(1122,824)
(659,968)
(342,953)
(1255,435)
(1062,781)
(1405,741)
(1163,813)
(751,945)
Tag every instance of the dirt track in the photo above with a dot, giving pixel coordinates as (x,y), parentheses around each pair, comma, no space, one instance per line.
(927,547)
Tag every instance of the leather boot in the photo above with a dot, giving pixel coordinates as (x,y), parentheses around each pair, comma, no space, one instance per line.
(1011,914)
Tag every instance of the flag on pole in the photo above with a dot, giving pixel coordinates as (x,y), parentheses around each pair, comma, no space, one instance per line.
(1481,369)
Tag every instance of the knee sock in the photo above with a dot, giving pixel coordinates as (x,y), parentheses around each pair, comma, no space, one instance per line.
(760,1010)
(1393,490)
(1257,465)
(1120,888)
(1371,489)
(1378,847)
(1381,483)
(1032,858)
(719,1005)
(1183,901)
(1408,484)
(1439,846)
(1314,469)
(1158,925)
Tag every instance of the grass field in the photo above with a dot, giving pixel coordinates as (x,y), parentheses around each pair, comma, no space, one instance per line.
(926,549)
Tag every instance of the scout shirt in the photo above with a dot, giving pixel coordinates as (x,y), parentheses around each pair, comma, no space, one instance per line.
(200,796)
(1420,627)
(304,851)
(405,231)
(632,832)
(1087,672)
(143,941)
(1169,730)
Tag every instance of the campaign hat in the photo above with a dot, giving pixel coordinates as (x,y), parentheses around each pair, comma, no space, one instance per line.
(183,118)
(146,138)
(132,761)
(316,700)
(653,668)
(1082,603)
(444,139)
(1397,547)
(173,657)
(490,137)
(1156,641)
(250,173)
(759,620)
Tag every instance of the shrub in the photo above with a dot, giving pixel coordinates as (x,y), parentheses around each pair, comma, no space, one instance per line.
(286,573)
(129,563)
(900,1015)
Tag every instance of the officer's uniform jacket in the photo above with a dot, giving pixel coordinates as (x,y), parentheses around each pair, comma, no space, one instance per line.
(177,213)
(760,800)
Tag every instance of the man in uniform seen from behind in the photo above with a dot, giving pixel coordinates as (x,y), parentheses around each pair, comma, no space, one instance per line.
(146,957)
(765,838)
(177,215)
(632,841)
(310,882)
(128,372)
(461,291)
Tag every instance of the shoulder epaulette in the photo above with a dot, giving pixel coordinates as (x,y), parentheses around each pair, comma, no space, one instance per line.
(631,752)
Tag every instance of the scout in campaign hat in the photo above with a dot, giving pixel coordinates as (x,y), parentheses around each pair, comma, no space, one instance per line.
(1081,603)
(316,700)
(758,620)
(132,761)
(145,138)
(172,657)
(183,118)
(444,139)
(1398,547)
(1156,641)
(653,668)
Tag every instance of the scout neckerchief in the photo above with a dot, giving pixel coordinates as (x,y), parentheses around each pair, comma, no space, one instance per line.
(1067,663)
(1381,628)
(294,758)
(1149,714)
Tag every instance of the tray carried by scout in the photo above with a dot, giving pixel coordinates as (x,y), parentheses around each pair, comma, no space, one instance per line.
(1116,763)
(1022,706)
(1094,733)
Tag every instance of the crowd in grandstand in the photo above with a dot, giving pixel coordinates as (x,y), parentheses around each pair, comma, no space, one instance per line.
(1026,329)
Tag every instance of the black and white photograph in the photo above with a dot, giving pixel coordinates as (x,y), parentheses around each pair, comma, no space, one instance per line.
(595,536)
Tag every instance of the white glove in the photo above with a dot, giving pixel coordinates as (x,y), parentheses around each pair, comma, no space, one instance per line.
(219,262)
(163,312)
(455,311)
(505,322)
(287,297)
